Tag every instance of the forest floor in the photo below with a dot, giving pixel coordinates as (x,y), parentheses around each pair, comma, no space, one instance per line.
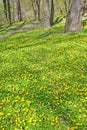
(7,31)
(43,80)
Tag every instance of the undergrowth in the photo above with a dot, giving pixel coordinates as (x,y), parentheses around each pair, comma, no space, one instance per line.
(43,80)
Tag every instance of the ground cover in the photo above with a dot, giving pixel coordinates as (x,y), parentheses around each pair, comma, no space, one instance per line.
(43,80)
(17,27)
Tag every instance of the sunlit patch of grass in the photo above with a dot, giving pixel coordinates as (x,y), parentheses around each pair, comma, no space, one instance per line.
(43,81)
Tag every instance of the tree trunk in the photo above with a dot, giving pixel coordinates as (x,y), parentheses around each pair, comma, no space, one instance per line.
(74,16)
(37,10)
(13,4)
(19,14)
(9,11)
(33,7)
(46,14)
(5,8)
(52,13)
(65,4)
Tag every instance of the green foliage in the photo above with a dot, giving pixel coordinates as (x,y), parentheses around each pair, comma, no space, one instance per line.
(84,23)
(43,81)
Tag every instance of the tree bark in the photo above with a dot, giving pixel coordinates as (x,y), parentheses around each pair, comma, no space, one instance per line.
(65,4)
(37,10)
(46,14)
(5,8)
(19,14)
(9,11)
(74,16)
(52,13)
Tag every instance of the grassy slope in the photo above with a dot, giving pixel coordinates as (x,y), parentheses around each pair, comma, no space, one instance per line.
(43,81)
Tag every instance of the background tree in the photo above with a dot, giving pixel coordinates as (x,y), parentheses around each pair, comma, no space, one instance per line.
(52,13)
(9,11)
(37,2)
(19,14)
(46,14)
(31,9)
(5,8)
(66,5)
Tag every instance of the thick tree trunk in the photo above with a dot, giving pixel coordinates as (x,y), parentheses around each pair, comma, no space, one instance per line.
(9,11)
(46,14)
(52,13)
(19,14)
(37,10)
(74,16)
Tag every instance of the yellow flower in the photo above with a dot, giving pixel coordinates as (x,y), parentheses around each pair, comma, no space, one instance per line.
(74,105)
(1,115)
(23,76)
(52,123)
(3,129)
(28,103)
(74,128)
(15,129)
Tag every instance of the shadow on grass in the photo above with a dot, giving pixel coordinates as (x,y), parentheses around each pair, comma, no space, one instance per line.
(44,41)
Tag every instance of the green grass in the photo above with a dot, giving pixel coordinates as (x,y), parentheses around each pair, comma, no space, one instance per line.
(43,81)
(6,28)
